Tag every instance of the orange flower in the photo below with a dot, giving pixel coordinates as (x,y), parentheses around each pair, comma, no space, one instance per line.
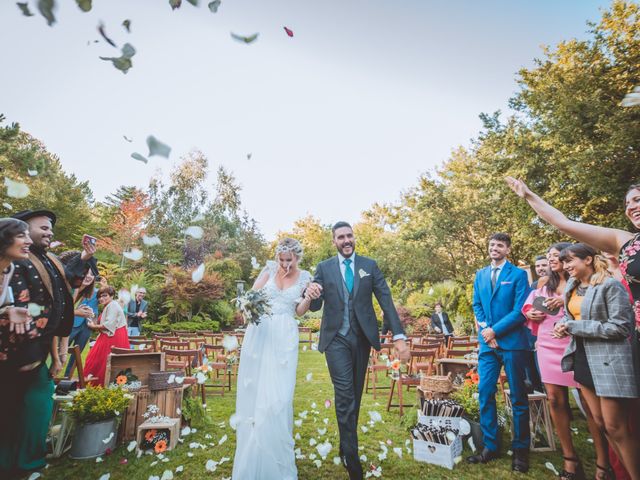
(161,446)
(395,365)
(148,436)
(475,378)
(121,379)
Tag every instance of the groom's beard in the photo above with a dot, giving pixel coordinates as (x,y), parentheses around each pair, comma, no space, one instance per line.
(347,255)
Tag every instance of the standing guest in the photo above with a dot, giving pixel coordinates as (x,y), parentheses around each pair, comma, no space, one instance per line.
(541,266)
(85,300)
(600,320)
(136,312)
(441,323)
(112,325)
(550,350)
(499,292)
(42,280)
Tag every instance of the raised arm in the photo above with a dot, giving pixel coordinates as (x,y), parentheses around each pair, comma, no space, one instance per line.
(606,239)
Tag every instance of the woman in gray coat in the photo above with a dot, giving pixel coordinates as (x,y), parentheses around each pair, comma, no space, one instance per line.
(600,319)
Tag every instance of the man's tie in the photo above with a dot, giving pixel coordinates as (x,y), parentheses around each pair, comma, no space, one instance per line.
(494,277)
(348,274)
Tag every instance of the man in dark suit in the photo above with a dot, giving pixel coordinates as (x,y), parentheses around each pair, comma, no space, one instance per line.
(499,292)
(136,312)
(346,285)
(441,323)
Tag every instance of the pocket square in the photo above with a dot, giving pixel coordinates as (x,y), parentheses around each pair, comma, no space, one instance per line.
(506,283)
(363,274)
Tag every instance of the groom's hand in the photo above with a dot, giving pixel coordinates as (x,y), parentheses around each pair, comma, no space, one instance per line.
(313,291)
(402,350)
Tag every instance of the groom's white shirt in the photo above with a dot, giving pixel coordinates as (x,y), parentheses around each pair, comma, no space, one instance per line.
(352,266)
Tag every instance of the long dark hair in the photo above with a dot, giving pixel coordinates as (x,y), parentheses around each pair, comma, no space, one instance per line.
(554,278)
(583,251)
(10,228)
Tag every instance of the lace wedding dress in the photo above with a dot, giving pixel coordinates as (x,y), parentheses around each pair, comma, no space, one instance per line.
(266,381)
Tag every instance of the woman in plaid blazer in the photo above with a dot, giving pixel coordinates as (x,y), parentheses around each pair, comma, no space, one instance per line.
(600,319)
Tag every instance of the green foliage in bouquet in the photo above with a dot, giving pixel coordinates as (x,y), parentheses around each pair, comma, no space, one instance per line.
(95,404)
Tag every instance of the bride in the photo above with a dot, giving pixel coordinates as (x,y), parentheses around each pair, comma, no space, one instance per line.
(267,373)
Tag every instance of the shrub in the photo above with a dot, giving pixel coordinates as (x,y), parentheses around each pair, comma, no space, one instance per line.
(95,404)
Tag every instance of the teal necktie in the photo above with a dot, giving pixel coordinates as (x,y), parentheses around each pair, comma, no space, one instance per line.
(348,274)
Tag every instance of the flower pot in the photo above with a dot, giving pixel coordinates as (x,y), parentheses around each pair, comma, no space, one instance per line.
(476,434)
(88,439)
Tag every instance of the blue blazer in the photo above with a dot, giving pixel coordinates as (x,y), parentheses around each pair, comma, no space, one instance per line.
(501,309)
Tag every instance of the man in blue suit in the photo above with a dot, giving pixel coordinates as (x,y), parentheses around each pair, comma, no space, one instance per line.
(499,292)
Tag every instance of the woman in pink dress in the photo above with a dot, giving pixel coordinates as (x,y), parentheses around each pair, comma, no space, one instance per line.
(112,325)
(550,351)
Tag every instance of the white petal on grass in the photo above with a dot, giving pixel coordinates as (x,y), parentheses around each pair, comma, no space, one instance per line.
(230,343)
(185,431)
(198,218)
(151,240)
(632,99)
(211,466)
(322,431)
(108,439)
(106,476)
(398,451)
(375,416)
(472,445)
(9,207)
(156,147)
(34,475)
(309,377)
(312,442)
(132,446)
(223,439)
(364,429)
(167,475)
(198,274)
(457,460)
(32,173)
(324,449)
(551,467)
(194,231)
(337,460)
(134,255)
(317,463)
(234,420)
(179,468)
(16,189)
(99,460)
(297,436)
(298,423)
(363,458)
(154,477)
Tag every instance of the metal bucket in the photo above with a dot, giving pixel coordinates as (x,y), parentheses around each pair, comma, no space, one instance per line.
(89,439)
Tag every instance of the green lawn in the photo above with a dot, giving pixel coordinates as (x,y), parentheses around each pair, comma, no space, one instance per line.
(315,391)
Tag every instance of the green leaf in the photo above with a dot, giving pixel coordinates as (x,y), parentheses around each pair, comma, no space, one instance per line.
(213,6)
(45,7)
(247,39)
(123,62)
(156,147)
(137,156)
(127,24)
(24,8)
(85,5)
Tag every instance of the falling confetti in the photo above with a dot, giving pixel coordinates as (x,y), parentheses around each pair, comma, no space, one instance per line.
(254,263)
(151,241)
(137,156)
(103,34)
(213,6)
(248,39)
(24,8)
(194,232)
(134,254)
(198,274)
(45,7)
(16,189)
(127,138)
(156,147)
(127,25)
(34,310)
(230,343)
(84,5)
(122,63)
(289,31)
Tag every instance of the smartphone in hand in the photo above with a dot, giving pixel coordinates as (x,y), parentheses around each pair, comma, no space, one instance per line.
(89,239)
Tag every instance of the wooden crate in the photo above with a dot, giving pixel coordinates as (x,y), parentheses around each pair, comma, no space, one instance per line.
(172,425)
(140,363)
(168,401)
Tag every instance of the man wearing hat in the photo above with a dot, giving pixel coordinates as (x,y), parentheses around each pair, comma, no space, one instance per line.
(44,281)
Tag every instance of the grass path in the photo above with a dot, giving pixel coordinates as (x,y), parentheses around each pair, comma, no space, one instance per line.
(316,391)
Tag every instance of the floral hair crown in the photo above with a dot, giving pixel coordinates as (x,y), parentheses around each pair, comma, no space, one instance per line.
(289,245)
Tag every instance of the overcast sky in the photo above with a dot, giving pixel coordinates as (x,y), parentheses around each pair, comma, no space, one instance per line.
(365,97)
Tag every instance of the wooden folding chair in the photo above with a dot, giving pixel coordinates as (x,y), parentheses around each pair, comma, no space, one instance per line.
(194,342)
(76,360)
(377,364)
(409,379)
(148,345)
(307,333)
(185,360)
(458,339)
(217,362)
(458,353)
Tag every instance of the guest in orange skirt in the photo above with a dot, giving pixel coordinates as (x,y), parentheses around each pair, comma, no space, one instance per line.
(112,325)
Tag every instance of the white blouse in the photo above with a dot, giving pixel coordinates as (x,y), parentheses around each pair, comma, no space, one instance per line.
(112,318)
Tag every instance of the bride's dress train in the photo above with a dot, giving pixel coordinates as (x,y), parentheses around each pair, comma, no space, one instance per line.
(266,381)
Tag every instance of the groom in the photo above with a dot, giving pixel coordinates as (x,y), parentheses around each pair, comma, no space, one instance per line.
(346,284)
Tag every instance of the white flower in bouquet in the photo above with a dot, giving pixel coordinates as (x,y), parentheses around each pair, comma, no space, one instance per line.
(230,343)
(253,305)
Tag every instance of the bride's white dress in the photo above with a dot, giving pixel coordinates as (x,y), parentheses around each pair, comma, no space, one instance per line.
(266,381)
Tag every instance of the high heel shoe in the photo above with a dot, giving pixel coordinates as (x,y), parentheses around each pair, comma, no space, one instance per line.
(578,474)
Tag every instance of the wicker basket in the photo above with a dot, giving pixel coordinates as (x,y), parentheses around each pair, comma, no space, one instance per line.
(158,380)
(436,383)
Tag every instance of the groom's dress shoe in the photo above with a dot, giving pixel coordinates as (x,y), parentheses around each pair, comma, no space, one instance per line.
(484,457)
(520,461)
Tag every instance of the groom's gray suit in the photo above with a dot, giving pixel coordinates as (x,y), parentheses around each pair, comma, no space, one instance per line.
(349,329)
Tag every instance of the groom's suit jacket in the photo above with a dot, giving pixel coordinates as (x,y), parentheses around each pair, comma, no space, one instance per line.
(368,281)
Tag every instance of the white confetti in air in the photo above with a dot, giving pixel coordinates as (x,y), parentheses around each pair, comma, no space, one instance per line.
(185,431)
(550,466)
(32,173)
(194,232)
(167,475)
(223,439)
(230,343)
(309,377)
(151,240)
(198,274)
(375,416)
(337,461)
(34,309)
(108,439)
(134,255)
(16,189)
(254,263)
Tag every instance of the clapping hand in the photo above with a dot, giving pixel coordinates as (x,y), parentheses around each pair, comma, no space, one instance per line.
(19,320)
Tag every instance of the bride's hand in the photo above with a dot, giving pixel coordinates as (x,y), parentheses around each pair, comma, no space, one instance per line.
(518,186)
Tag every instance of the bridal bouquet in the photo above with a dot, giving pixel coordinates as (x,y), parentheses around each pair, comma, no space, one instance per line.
(253,305)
